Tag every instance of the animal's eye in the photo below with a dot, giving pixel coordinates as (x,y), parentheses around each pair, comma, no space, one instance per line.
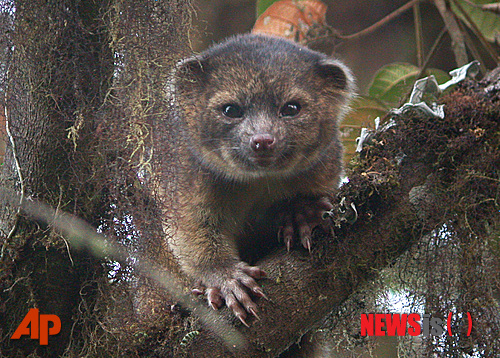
(290,109)
(232,111)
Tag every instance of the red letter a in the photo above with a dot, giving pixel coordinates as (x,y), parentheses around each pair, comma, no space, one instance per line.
(23,329)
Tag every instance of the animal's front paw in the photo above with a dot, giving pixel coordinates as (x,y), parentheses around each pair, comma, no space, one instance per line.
(233,285)
(300,218)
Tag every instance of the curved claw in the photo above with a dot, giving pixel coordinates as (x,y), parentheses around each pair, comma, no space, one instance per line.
(234,285)
(198,291)
(254,312)
(300,219)
(258,292)
(243,320)
(214,298)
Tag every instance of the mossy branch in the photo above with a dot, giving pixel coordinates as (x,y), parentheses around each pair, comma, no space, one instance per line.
(303,289)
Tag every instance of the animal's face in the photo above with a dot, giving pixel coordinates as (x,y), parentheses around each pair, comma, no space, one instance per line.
(258,106)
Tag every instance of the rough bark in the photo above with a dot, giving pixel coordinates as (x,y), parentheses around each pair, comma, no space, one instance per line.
(81,82)
(57,78)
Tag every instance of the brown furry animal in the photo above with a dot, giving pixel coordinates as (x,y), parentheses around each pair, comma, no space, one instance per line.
(259,153)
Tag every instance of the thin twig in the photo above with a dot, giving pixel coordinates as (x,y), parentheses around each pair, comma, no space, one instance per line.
(381,22)
(19,173)
(473,4)
(424,66)
(57,209)
(472,47)
(417,19)
(457,37)
(19,279)
(432,51)
(16,161)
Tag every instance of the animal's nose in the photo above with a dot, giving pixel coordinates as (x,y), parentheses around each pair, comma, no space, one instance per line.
(262,143)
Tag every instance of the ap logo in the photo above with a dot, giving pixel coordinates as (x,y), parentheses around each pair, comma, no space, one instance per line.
(36,326)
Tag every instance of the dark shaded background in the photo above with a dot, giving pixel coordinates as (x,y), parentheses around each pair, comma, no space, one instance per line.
(395,42)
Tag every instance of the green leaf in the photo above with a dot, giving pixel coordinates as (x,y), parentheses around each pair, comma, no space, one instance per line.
(262,5)
(487,22)
(441,76)
(393,82)
(363,112)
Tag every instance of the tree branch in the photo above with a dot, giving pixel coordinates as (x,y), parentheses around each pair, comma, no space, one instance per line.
(381,22)
(457,37)
(304,289)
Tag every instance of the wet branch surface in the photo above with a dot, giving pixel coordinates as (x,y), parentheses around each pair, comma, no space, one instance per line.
(409,180)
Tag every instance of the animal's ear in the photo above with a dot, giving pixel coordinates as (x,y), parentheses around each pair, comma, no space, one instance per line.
(191,71)
(334,74)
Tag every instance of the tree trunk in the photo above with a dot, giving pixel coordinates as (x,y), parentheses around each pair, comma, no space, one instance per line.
(57,77)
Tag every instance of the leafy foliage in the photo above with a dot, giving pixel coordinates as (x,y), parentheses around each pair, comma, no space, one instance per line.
(487,22)
(390,86)
(393,83)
